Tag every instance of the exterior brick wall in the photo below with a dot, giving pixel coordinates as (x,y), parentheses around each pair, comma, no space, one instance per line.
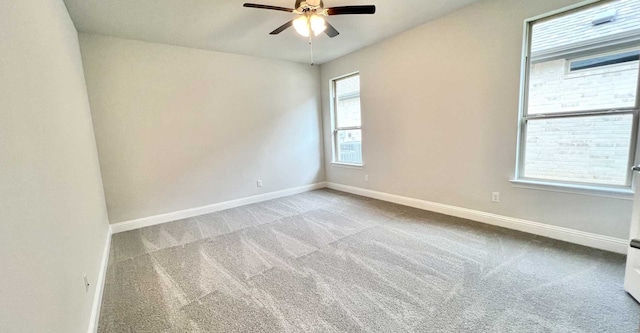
(584,149)
(552,89)
(576,27)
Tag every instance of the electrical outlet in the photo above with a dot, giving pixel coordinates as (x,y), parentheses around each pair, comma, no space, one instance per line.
(495,196)
(366,178)
(259,183)
(86,283)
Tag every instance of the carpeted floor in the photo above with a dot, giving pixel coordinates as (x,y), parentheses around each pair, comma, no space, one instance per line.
(327,261)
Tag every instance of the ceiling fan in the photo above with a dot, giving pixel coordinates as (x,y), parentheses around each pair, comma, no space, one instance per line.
(312,14)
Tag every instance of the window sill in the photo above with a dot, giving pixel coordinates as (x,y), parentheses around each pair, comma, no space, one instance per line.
(347,165)
(598,191)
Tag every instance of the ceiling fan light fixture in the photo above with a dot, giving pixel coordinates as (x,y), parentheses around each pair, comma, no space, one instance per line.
(302,26)
(314,23)
(318,24)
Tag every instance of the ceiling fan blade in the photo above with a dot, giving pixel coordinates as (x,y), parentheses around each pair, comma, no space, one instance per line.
(331,31)
(281,28)
(254,5)
(346,10)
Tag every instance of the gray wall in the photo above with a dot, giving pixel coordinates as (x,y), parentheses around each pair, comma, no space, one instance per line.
(179,128)
(440,111)
(53,218)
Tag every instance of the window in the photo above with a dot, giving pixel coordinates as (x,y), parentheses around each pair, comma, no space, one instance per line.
(580,97)
(347,122)
(606,60)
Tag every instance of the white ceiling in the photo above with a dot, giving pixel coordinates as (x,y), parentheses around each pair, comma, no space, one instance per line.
(226,26)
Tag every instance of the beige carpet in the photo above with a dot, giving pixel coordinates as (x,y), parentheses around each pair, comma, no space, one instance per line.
(326,261)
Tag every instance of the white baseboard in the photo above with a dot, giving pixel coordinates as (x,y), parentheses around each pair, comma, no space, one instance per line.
(565,234)
(99,289)
(191,212)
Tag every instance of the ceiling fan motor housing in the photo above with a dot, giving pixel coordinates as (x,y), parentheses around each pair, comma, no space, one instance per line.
(310,6)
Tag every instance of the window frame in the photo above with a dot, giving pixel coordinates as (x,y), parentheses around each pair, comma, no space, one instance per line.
(335,129)
(570,71)
(523,117)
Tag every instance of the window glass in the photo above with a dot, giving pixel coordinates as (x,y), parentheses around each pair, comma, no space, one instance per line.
(579,26)
(552,90)
(581,89)
(349,112)
(582,149)
(347,120)
(348,85)
(615,59)
(350,146)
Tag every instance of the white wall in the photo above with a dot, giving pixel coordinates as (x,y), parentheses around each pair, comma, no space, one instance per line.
(179,128)
(53,218)
(440,111)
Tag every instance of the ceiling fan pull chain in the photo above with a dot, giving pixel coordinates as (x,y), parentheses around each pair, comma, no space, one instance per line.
(311,50)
